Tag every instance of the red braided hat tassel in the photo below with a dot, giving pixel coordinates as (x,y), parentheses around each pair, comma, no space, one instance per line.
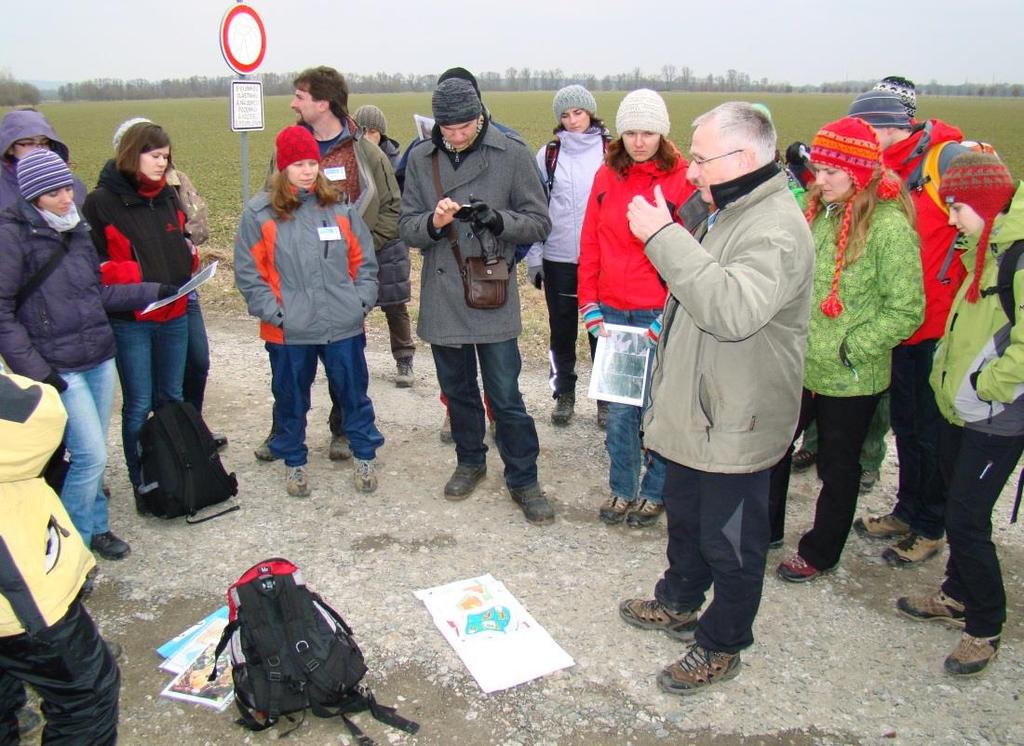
(832,306)
(974,290)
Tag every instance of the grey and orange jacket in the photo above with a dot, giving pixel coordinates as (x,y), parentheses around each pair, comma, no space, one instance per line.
(304,288)
(42,558)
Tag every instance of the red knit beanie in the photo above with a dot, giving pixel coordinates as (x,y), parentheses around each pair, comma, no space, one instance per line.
(983,183)
(295,143)
(851,145)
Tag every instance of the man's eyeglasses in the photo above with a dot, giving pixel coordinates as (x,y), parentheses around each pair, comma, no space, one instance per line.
(701,162)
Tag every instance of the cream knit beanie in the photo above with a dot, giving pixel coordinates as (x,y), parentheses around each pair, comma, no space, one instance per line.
(642,110)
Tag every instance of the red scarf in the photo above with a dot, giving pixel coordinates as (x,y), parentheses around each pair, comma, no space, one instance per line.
(149,188)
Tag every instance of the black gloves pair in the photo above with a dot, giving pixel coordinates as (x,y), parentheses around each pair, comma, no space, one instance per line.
(480,215)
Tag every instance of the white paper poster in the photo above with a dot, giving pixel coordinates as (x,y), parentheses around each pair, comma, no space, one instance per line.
(620,366)
(197,280)
(497,639)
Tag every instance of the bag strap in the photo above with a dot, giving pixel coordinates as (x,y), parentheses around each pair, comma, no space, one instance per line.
(932,178)
(453,237)
(1004,280)
(551,151)
(43,272)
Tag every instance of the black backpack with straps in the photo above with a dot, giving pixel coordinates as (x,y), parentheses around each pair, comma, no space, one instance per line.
(291,651)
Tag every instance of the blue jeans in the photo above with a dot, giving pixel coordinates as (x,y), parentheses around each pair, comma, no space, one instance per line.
(197,359)
(150,366)
(88,400)
(515,434)
(622,438)
(293,368)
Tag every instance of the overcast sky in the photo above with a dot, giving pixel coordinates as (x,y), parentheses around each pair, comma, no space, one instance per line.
(784,40)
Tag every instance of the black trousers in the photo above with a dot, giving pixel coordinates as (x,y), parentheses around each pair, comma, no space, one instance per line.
(975,467)
(842,426)
(76,676)
(717,535)
(560,280)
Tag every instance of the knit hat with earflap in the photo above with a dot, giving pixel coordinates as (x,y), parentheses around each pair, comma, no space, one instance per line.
(642,110)
(370,117)
(41,171)
(904,90)
(295,143)
(851,145)
(983,183)
(573,97)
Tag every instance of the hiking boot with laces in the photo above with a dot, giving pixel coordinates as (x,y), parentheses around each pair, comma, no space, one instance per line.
(404,377)
(109,547)
(797,570)
(698,669)
(972,655)
(296,482)
(868,478)
(602,414)
(651,614)
(446,430)
(564,406)
(935,607)
(365,475)
(911,549)
(645,514)
(803,460)
(614,510)
(534,504)
(339,449)
(886,526)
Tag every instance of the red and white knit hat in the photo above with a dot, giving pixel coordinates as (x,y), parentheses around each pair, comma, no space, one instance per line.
(851,145)
(983,183)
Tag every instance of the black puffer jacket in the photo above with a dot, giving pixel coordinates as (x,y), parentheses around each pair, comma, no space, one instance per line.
(63,324)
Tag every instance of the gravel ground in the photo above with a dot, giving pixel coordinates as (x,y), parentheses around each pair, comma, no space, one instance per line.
(832,662)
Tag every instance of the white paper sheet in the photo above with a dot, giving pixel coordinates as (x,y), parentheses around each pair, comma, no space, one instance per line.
(498,640)
(621,365)
(198,279)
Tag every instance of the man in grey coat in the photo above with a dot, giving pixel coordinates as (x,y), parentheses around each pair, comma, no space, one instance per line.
(726,386)
(478,185)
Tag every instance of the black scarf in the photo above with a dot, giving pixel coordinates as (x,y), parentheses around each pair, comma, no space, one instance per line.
(729,191)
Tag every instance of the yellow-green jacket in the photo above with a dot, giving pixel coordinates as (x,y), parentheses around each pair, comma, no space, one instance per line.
(42,558)
(979,339)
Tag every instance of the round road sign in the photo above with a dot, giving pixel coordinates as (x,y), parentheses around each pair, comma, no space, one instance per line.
(243,39)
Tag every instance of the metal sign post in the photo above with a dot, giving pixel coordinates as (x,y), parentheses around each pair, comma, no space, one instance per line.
(243,42)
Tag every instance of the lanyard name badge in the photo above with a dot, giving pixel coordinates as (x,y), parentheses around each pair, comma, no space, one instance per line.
(329,232)
(335,173)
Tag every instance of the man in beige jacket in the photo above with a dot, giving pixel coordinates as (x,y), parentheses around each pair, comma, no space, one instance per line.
(725,390)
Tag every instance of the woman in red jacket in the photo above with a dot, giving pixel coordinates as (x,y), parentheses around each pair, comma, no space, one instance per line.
(619,285)
(138,227)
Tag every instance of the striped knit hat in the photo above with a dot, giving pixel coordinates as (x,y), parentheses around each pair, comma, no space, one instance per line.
(903,89)
(42,171)
(983,183)
(851,145)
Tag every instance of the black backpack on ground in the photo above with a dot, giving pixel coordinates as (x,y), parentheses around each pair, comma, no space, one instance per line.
(291,651)
(181,469)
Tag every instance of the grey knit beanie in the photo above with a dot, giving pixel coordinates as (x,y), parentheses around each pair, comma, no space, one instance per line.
(125,126)
(369,117)
(880,109)
(642,110)
(573,97)
(904,90)
(455,101)
(41,171)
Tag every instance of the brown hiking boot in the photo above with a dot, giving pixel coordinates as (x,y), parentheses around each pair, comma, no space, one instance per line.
(650,614)
(645,514)
(881,527)
(936,607)
(972,655)
(911,549)
(698,669)
(614,509)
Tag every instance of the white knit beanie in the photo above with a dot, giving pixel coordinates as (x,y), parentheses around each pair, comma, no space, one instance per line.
(642,110)
(125,126)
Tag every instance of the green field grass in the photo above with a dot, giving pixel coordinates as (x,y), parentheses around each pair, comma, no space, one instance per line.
(208,151)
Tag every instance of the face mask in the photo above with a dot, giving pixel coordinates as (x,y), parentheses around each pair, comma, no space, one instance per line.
(61,223)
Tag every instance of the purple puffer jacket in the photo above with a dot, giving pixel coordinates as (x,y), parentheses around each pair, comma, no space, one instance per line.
(62,326)
(19,125)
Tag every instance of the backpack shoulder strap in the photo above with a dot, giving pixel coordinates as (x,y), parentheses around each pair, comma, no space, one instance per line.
(551,151)
(1004,283)
(932,177)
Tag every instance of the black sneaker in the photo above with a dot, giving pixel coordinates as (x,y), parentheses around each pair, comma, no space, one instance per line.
(535,505)
(109,547)
(564,406)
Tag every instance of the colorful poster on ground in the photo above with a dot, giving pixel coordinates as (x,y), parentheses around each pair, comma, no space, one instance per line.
(193,684)
(497,639)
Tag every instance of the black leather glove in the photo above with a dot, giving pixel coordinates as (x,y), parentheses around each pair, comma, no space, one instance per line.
(53,379)
(484,215)
(166,291)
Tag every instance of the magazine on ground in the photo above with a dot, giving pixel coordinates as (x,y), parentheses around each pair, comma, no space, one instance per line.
(175,644)
(193,685)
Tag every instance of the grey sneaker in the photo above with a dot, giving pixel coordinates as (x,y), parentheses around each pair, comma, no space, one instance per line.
(365,475)
(404,378)
(296,482)
(339,449)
